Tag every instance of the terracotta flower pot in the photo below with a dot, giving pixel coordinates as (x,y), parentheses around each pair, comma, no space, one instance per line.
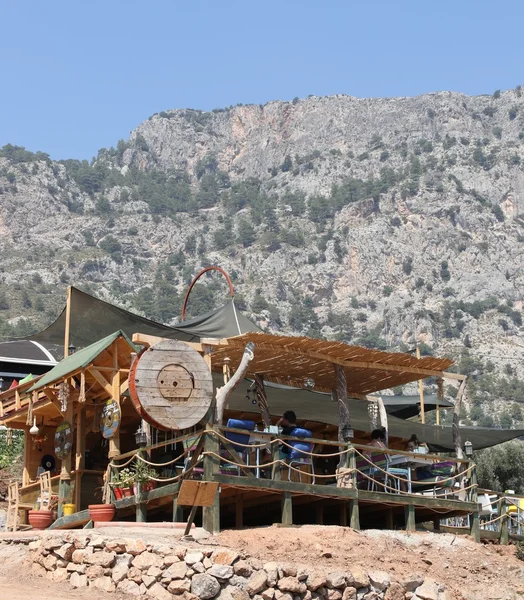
(101,512)
(127,492)
(145,487)
(118,493)
(40,519)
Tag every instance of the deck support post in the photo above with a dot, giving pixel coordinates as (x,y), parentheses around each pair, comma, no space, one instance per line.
(436,524)
(319,513)
(287,508)
(474,523)
(409,512)
(64,485)
(178,512)
(504,530)
(389,519)
(343,514)
(211,514)
(354,514)
(239,511)
(276,471)
(141,507)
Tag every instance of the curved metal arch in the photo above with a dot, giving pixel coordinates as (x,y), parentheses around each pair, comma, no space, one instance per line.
(198,276)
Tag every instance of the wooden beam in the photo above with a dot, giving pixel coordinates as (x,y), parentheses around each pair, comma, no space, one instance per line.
(101,379)
(343,411)
(67,322)
(457,441)
(421,393)
(114,442)
(80,452)
(150,340)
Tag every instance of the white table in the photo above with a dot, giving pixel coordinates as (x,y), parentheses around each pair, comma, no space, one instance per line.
(409,462)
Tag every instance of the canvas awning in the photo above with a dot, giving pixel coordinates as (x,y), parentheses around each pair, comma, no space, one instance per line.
(93,319)
(317,407)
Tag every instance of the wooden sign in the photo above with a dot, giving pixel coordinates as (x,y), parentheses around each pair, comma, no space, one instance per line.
(197,493)
(110,419)
(63,440)
(171,385)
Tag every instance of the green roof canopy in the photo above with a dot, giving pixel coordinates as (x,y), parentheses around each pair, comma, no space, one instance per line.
(79,360)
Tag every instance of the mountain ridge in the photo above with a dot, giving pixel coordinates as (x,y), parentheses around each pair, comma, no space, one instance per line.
(387,222)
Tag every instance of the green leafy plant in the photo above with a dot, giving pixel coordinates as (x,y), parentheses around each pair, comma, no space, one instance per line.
(143,472)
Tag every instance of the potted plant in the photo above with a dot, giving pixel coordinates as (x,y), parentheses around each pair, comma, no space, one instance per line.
(40,518)
(104,511)
(142,478)
(123,484)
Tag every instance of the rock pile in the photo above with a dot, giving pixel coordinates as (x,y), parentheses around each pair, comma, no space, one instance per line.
(137,568)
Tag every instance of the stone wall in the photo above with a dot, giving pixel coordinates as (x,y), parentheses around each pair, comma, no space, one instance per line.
(163,571)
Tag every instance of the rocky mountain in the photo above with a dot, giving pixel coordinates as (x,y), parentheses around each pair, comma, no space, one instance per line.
(384,222)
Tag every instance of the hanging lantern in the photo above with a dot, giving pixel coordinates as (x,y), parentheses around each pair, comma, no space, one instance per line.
(34,429)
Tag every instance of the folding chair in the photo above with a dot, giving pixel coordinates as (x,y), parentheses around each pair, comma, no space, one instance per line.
(13,508)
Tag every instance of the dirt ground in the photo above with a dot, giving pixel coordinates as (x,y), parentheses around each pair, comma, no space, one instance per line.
(470,571)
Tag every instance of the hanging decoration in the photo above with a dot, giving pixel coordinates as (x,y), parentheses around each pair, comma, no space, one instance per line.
(82,394)
(373,414)
(63,440)
(110,419)
(63,395)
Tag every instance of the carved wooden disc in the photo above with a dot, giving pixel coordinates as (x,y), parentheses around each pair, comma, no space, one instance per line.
(110,419)
(63,440)
(171,385)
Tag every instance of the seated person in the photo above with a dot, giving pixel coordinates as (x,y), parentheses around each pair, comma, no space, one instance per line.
(287,423)
(378,438)
(413,443)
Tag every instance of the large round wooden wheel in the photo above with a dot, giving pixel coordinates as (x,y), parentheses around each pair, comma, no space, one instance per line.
(171,385)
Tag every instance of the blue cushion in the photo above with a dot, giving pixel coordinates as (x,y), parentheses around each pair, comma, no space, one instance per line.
(298,450)
(240,438)
(302,433)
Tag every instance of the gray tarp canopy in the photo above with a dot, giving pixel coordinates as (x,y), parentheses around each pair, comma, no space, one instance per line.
(318,407)
(93,319)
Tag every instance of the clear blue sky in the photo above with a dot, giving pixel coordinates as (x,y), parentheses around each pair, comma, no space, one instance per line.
(78,75)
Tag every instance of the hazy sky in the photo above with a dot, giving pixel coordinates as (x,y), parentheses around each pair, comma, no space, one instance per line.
(78,75)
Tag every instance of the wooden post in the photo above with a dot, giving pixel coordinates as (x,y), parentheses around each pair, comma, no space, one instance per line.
(64,485)
(276,471)
(504,530)
(141,507)
(239,511)
(457,441)
(211,514)
(114,442)
(28,440)
(440,397)
(389,519)
(409,512)
(343,514)
(80,453)
(421,394)
(178,512)
(343,411)
(436,524)
(354,515)
(287,508)
(319,513)
(67,322)
(474,524)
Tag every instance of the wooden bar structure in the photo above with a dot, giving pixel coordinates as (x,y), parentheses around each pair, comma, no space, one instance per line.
(257,483)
